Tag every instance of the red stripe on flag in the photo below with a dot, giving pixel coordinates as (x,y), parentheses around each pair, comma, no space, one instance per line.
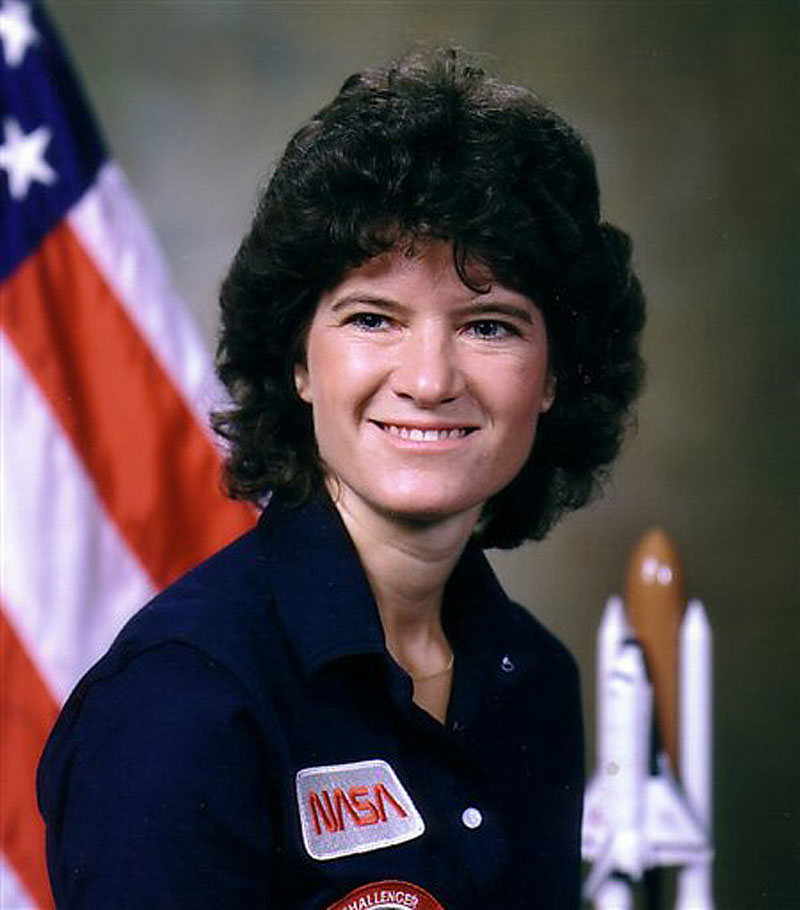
(155,468)
(27,712)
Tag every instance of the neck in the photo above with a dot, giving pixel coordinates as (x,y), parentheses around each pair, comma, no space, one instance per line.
(408,563)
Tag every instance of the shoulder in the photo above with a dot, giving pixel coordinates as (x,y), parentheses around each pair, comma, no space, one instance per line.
(547,669)
(176,708)
(481,615)
(545,646)
(196,651)
(549,694)
(160,699)
(219,610)
(143,779)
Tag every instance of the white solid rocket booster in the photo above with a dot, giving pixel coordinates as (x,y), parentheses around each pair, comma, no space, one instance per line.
(694,879)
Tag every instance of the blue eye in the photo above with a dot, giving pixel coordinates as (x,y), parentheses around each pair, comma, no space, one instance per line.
(491,329)
(369,321)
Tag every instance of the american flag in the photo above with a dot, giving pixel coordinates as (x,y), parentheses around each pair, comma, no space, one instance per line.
(109,476)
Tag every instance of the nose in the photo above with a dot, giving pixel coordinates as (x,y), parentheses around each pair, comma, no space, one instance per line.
(427,370)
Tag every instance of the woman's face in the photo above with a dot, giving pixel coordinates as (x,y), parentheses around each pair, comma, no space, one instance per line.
(425,394)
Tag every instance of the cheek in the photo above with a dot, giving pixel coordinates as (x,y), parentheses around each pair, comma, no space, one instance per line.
(340,390)
(522,395)
(344,376)
(518,446)
(521,402)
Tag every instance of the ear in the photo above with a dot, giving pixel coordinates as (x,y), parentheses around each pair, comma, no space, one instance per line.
(302,382)
(549,393)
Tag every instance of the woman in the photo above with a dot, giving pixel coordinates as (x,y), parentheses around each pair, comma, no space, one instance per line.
(430,341)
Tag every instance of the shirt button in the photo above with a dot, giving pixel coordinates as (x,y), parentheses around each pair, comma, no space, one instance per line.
(458,726)
(507,664)
(472,818)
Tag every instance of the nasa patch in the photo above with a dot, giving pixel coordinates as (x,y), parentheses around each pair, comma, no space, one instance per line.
(388,895)
(353,808)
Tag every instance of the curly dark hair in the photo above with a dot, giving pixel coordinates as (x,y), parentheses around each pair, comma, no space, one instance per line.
(430,147)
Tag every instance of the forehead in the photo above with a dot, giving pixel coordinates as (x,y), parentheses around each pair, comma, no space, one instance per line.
(426,267)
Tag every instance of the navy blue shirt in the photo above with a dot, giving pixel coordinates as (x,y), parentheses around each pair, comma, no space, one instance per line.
(248,742)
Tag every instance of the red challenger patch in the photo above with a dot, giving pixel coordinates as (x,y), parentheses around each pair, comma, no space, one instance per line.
(388,896)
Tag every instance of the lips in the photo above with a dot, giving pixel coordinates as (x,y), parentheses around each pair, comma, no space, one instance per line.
(424,434)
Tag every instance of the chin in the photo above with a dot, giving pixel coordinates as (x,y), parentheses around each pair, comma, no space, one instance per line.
(427,510)
(410,502)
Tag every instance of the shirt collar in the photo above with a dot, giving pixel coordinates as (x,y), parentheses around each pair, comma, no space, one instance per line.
(327,608)
(321,592)
(483,625)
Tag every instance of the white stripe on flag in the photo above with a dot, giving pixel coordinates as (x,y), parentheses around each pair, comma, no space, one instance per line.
(66,611)
(110,225)
(12,895)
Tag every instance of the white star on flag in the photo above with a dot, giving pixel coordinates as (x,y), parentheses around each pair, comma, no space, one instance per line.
(16,31)
(22,158)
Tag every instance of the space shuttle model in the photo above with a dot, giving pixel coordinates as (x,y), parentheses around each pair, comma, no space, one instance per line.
(649,802)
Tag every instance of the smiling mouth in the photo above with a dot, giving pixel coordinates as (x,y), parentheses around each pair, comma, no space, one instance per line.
(429,434)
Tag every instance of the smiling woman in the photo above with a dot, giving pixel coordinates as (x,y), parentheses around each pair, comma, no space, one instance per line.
(430,340)
(425,394)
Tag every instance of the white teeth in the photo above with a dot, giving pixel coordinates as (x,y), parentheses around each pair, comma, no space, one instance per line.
(417,435)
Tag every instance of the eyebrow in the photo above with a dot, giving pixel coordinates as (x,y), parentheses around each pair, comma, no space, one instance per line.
(478,308)
(489,307)
(364,299)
